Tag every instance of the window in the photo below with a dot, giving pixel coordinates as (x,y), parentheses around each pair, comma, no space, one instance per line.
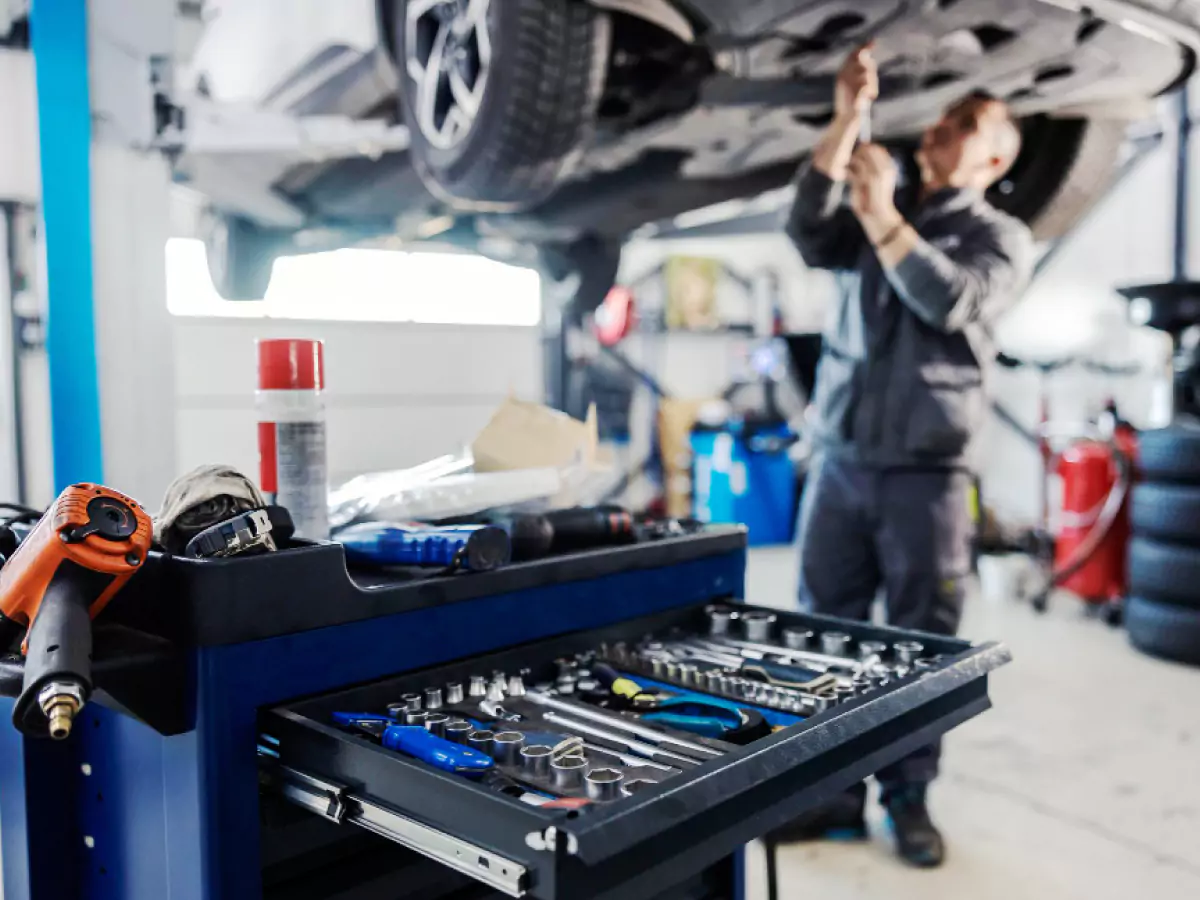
(360,285)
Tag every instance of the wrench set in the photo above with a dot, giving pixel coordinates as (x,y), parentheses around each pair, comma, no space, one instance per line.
(605,723)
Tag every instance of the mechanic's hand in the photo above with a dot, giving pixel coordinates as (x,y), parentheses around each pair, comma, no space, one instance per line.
(857,83)
(871,177)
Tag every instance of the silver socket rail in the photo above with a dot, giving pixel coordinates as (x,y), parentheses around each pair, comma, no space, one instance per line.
(649,751)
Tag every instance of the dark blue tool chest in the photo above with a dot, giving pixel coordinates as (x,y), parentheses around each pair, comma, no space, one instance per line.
(207,766)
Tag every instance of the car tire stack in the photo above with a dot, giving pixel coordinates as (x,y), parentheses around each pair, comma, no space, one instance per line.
(1162,614)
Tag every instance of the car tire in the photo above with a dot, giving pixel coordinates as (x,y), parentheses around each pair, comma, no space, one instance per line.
(1065,167)
(1164,572)
(1168,512)
(1163,630)
(534,113)
(1170,454)
(241,255)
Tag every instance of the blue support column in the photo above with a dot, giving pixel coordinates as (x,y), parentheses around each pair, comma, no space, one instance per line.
(59,36)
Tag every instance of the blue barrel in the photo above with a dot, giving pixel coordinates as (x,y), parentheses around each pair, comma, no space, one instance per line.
(742,475)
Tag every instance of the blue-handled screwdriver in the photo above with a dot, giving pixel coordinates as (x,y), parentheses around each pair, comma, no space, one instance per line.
(415,741)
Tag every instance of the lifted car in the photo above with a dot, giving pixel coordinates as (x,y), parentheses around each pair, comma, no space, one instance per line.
(561,126)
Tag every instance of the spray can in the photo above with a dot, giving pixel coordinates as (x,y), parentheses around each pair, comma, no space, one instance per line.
(291,431)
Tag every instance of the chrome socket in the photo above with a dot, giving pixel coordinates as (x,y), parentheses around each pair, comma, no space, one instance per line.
(567,772)
(481,741)
(797,638)
(516,686)
(835,643)
(478,687)
(495,693)
(535,760)
(454,693)
(506,747)
(907,652)
(868,649)
(433,698)
(603,784)
(415,717)
(757,625)
(658,667)
(436,722)
(412,702)
(458,730)
(720,620)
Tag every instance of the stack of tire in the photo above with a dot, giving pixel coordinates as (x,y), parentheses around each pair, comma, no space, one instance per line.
(1162,614)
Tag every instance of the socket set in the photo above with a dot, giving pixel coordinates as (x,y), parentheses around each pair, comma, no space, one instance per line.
(605,723)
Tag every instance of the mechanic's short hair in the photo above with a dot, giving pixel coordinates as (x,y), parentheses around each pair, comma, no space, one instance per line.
(1008,133)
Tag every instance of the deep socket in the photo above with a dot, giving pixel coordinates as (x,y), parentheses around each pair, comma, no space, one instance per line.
(516,686)
(506,747)
(756,625)
(604,784)
(457,730)
(567,773)
(433,698)
(412,702)
(835,643)
(454,693)
(535,760)
(495,693)
(797,638)
(478,686)
(436,723)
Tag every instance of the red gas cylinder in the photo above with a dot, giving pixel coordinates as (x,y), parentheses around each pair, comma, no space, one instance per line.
(1089,474)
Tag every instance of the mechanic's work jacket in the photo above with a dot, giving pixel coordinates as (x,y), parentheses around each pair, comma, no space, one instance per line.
(900,382)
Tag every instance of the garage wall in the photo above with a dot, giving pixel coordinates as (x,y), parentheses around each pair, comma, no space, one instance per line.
(397,394)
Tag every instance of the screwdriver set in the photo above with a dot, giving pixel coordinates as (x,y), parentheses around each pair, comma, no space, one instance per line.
(611,720)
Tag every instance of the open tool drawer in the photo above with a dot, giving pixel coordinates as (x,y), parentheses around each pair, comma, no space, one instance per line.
(641,844)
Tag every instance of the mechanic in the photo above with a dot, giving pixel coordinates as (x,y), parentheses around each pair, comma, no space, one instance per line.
(900,397)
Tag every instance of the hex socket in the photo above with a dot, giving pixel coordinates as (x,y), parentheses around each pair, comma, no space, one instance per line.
(506,747)
(603,784)
(867,649)
(835,643)
(535,760)
(756,626)
(797,638)
(412,701)
(567,772)
(458,730)
(433,698)
(454,693)
(436,723)
(907,652)
(415,717)
(720,618)
(481,741)
(478,686)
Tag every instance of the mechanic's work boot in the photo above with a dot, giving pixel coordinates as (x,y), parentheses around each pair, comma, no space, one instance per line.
(917,840)
(841,819)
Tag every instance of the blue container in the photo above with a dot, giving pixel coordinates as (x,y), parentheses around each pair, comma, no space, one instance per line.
(742,476)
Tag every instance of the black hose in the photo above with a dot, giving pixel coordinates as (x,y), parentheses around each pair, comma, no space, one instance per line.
(771,848)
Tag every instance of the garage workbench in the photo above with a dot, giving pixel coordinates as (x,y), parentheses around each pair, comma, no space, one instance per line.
(211,676)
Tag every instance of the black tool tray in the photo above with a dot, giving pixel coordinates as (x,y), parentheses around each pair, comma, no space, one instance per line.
(640,845)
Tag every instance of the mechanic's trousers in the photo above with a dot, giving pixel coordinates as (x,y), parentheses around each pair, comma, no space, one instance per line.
(907,530)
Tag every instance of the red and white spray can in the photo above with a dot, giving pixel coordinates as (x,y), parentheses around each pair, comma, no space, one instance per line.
(290,401)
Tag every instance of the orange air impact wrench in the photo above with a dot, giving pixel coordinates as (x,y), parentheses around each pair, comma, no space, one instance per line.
(81,553)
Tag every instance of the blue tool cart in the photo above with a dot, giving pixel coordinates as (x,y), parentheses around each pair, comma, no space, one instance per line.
(208,766)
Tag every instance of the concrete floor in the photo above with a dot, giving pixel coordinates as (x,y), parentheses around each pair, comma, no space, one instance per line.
(1082,782)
